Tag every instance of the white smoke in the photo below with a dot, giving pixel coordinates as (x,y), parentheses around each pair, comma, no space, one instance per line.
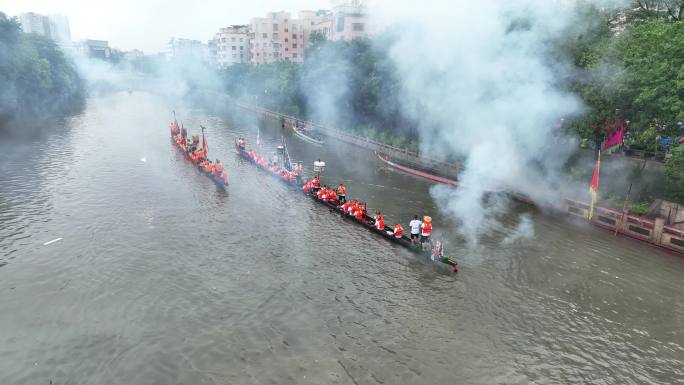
(483,80)
(523,230)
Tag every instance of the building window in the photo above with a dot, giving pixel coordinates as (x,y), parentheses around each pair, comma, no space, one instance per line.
(294,45)
(294,55)
(340,24)
(242,47)
(264,35)
(240,40)
(275,27)
(286,30)
(286,40)
(294,35)
(233,39)
(286,49)
(234,48)
(357,27)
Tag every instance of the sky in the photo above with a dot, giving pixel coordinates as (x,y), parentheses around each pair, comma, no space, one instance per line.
(149,24)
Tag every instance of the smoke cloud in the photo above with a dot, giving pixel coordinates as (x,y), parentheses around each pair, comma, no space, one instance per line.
(485,84)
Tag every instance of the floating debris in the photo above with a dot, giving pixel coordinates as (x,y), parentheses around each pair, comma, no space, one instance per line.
(52,241)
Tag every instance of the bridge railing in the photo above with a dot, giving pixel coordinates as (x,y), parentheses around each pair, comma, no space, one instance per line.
(352,138)
(649,230)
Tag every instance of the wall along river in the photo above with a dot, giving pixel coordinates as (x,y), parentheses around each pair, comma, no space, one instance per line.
(161,278)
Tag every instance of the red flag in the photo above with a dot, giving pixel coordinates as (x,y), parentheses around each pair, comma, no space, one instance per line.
(593,189)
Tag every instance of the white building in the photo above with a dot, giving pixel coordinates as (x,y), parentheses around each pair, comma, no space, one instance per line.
(59,28)
(96,48)
(34,23)
(180,48)
(55,27)
(231,46)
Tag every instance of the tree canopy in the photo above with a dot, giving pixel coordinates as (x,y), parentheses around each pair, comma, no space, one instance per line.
(37,81)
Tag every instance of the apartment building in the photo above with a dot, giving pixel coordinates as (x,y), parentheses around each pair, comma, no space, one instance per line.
(231,46)
(276,37)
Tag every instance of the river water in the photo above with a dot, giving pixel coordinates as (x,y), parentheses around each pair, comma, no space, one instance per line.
(161,278)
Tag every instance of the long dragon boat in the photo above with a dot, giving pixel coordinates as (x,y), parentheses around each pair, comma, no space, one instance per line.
(426,175)
(435,255)
(307,135)
(189,149)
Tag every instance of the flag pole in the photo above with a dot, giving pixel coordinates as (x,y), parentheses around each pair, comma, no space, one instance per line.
(593,189)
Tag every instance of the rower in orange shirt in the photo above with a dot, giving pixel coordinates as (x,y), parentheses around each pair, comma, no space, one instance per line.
(398,231)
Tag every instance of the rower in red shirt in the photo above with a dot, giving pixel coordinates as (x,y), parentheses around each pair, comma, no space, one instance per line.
(352,208)
(379,221)
(398,231)
(360,211)
(331,196)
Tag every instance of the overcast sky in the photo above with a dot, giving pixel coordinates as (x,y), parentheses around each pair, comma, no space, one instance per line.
(148,24)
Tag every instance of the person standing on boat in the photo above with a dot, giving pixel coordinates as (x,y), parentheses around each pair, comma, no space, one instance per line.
(315,184)
(298,173)
(415,226)
(425,232)
(341,193)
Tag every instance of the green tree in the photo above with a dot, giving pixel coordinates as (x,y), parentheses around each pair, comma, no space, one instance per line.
(37,81)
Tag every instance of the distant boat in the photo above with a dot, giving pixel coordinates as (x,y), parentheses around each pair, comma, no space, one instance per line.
(308,134)
(435,178)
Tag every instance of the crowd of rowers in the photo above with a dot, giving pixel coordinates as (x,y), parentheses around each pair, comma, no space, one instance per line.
(196,153)
(420,230)
(272,165)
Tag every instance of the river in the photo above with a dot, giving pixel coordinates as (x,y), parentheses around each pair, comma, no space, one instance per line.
(161,278)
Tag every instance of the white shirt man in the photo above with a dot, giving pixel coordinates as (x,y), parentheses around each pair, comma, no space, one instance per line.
(416,226)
